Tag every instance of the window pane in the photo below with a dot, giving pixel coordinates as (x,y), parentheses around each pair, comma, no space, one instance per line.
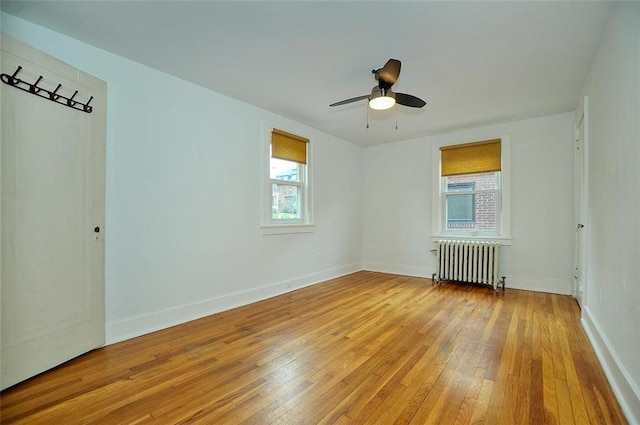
(284,170)
(286,202)
(460,187)
(472,212)
(486,211)
(484,181)
(460,208)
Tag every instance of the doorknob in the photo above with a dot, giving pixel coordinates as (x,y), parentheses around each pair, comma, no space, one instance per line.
(580,225)
(96,229)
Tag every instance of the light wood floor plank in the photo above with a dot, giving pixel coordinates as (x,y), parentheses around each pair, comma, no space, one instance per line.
(368,348)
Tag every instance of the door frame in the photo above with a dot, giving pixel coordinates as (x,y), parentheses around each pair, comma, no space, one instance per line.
(580,202)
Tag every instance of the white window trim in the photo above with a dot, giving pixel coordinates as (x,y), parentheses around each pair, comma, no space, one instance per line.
(503,235)
(269,226)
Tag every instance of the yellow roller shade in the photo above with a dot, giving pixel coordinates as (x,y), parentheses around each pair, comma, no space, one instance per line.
(288,146)
(471,158)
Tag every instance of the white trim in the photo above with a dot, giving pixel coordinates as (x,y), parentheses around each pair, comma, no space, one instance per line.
(581,201)
(500,240)
(539,284)
(287,229)
(401,269)
(437,219)
(527,283)
(621,381)
(158,320)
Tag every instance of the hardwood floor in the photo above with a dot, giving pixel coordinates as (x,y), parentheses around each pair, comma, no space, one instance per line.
(368,348)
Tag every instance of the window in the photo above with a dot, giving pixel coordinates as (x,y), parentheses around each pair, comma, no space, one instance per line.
(470,200)
(288,209)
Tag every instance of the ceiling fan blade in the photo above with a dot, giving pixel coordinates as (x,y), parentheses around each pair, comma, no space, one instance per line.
(388,75)
(409,100)
(353,99)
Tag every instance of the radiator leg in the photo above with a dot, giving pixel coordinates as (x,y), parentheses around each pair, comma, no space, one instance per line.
(502,281)
(433,278)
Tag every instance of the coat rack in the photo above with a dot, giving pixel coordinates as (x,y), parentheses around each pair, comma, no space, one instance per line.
(12,80)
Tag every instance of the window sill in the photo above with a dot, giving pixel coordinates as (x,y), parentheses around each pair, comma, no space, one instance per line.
(502,240)
(283,229)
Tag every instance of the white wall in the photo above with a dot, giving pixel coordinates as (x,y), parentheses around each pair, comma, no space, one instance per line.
(398,191)
(183,235)
(612,312)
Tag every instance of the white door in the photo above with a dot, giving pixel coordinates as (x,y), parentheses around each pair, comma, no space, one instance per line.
(52,193)
(580,206)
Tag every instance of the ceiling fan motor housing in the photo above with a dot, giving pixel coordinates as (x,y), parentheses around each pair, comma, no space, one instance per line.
(381,91)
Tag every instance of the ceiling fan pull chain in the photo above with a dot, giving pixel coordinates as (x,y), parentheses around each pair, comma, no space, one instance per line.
(396,108)
(367,116)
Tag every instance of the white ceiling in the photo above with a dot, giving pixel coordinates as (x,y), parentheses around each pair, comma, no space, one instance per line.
(474,63)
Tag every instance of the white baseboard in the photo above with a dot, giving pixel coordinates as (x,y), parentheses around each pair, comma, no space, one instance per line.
(539,284)
(528,283)
(141,325)
(400,269)
(627,393)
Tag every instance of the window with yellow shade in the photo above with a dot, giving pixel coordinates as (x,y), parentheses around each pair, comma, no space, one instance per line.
(471,196)
(288,209)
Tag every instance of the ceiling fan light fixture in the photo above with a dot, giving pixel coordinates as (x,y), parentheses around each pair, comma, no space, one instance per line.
(381,99)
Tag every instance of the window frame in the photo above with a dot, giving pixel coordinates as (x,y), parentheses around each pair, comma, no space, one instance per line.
(502,233)
(269,225)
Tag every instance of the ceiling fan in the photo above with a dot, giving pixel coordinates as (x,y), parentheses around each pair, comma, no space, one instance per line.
(382,97)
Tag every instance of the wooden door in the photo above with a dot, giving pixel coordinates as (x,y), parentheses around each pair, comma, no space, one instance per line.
(52,220)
